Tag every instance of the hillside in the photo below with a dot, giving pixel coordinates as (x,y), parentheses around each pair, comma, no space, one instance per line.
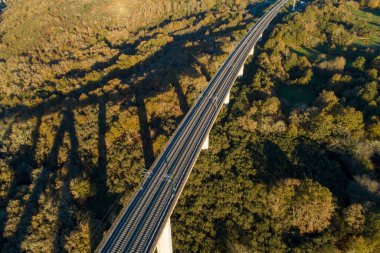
(42,41)
(67,25)
(90,91)
(83,113)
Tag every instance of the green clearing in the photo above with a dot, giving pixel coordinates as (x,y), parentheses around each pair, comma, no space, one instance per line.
(294,96)
(373,17)
(310,53)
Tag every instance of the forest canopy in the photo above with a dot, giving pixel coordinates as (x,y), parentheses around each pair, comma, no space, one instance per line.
(293,165)
(87,101)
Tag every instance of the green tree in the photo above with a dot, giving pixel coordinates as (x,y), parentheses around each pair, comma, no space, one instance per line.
(306,205)
(359,63)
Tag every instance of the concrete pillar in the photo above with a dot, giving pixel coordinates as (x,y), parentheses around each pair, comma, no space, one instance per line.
(241,71)
(227,99)
(205,143)
(260,37)
(164,244)
(252,51)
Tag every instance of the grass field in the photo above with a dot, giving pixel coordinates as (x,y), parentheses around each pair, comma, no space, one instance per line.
(311,53)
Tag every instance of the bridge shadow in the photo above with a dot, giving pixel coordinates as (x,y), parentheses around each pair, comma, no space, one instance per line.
(73,164)
(144,130)
(22,174)
(310,159)
(271,162)
(178,56)
(181,96)
(47,175)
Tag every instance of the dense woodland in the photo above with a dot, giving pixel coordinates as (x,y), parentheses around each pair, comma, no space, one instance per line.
(294,163)
(87,103)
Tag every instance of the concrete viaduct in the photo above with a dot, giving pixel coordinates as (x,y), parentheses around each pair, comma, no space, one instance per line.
(144,224)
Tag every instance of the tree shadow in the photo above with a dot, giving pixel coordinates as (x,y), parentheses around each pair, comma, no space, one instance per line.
(314,161)
(308,159)
(257,9)
(273,165)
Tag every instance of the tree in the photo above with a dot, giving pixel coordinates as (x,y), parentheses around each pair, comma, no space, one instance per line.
(339,35)
(373,4)
(81,189)
(337,64)
(306,205)
(326,100)
(312,207)
(372,230)
(369,92)
(359,63)
(373,129)
(349,121)
(358,245)
(354,218)
(79,240)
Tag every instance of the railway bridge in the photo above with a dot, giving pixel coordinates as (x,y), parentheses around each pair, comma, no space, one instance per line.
(144,224)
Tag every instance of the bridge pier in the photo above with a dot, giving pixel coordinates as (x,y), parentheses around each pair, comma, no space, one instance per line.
(241,71)
(252,51)
(205,143)
(164,244)
(227,99)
